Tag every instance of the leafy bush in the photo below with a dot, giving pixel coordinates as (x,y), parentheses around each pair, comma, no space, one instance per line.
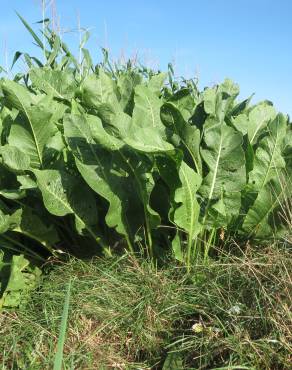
(119,155)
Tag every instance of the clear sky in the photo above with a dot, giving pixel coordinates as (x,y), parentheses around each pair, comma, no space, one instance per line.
(249,41)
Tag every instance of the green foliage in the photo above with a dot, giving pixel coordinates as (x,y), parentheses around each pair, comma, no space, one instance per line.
(119,155)
(17,279)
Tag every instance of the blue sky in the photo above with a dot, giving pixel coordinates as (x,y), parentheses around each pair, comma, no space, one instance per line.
(249,41)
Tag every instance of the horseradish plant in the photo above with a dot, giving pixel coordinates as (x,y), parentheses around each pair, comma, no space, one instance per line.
(113,155)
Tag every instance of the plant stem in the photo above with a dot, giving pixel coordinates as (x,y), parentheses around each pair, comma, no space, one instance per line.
(208,245)
(189,252)
(43,24)
(19,244)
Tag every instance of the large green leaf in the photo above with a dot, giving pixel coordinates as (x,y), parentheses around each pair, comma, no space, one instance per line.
(65,194)
(4,222)
(83,134)
(268,157)
(33,226)
(97,91)
(211,101)
(23,278)
(258,119)
(33,126)
(140,171)
(107,172)
(137,166)
(184,132)
(92,126)
(14,158)
(259,219)
(225,159)
(101,93)
(156,82)
(96,167)
(186,216)
(147,140)
(147,110)
(147,132)
(219,101)
(9,186)
(16,95)
(126,84)
(26,221)
(121,125)
(60,84)
(229,89)
(184,101)
(224,212)
(255,121)
(269,164)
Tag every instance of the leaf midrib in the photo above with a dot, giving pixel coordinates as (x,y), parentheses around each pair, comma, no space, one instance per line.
(267,212)
(52,88)
(185,144)
(192,202)
(102,171)
(271,160)
(151,110)
(67,206)
(215,170)
(31,126)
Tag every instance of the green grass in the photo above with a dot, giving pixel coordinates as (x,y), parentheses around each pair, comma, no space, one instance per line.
(126,314)
(63,328)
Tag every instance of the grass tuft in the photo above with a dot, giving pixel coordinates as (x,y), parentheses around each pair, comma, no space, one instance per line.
(234,313)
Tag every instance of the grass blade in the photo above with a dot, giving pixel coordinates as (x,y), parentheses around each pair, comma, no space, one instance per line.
(62,335)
